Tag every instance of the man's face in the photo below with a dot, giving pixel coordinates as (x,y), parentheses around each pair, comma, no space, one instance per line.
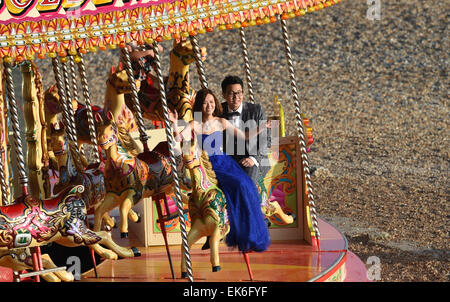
(233,95)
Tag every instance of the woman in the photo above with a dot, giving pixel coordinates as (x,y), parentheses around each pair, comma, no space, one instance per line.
(248,230)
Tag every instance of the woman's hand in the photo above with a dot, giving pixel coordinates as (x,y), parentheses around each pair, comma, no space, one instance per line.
(173,116)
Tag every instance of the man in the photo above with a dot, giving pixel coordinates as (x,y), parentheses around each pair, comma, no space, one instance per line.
(252,154)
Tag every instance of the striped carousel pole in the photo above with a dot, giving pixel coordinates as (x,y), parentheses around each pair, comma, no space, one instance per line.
(198,62)
(300,133)
(62,82)
(248,73)
(171,142)
(23,178)
(126,59)
(87,101)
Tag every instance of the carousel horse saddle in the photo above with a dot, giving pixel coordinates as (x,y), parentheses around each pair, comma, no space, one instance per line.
(21,204)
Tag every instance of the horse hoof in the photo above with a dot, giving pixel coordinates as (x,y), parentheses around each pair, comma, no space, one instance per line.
(293,216)
(216,268)
(136,252)
(268,223)
(124,235)
(139,218)
(184,275)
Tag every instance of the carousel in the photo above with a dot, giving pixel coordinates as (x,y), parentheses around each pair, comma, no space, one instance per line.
(133,209)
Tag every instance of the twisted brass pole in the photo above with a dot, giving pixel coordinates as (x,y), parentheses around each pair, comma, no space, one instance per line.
(23,178)
(171,142)
(198,61)
(300,129)
(5,191)
(88,104)
(248,74)
(75,93)
(62,82)
(135,98)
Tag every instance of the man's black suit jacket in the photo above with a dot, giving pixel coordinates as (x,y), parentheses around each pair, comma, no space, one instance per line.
(252,115)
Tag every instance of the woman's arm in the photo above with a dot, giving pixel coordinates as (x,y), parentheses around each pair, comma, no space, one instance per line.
(186,133)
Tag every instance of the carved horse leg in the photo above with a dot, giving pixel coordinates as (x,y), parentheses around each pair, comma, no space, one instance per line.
(112,252)
(110,202)
(57,276)
(119,250)
(214,241)
(193,236)
(125,208)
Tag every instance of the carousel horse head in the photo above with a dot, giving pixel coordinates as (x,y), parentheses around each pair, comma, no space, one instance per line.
(207,204)
(106,129)
(184,50)
(52,101)
(118,79)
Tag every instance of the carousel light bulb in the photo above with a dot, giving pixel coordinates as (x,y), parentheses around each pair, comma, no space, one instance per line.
(8,60)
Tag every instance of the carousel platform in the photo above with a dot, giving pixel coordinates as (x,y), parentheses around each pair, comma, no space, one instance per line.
(284,261)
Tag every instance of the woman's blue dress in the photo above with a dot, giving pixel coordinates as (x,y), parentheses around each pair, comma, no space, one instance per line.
(248,230)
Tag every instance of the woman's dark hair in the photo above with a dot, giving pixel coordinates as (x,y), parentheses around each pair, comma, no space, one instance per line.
(200,98)
(230,80)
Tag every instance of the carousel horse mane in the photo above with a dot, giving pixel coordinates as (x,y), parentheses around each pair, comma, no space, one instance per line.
(207,166)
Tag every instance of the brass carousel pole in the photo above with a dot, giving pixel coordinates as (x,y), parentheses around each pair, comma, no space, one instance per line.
(300,131)
(23,178)
(87,102)
(171,142)
(248,74)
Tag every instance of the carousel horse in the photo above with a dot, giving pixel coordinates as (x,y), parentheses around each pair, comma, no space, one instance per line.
(116,86)
(207,205)
(91,178)
(31,222)
(128,179)
(180,96)
(53,108)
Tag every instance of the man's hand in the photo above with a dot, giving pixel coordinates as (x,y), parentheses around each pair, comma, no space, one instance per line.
(247,162)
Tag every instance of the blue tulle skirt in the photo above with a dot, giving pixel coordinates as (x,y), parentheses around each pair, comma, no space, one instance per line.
(248,230)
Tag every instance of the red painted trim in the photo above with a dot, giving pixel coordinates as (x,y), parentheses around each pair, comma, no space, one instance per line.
(335,268)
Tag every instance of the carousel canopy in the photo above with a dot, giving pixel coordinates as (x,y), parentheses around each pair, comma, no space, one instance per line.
(58,27)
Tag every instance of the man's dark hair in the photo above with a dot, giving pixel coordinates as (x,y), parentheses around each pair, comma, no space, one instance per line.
(230,80)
